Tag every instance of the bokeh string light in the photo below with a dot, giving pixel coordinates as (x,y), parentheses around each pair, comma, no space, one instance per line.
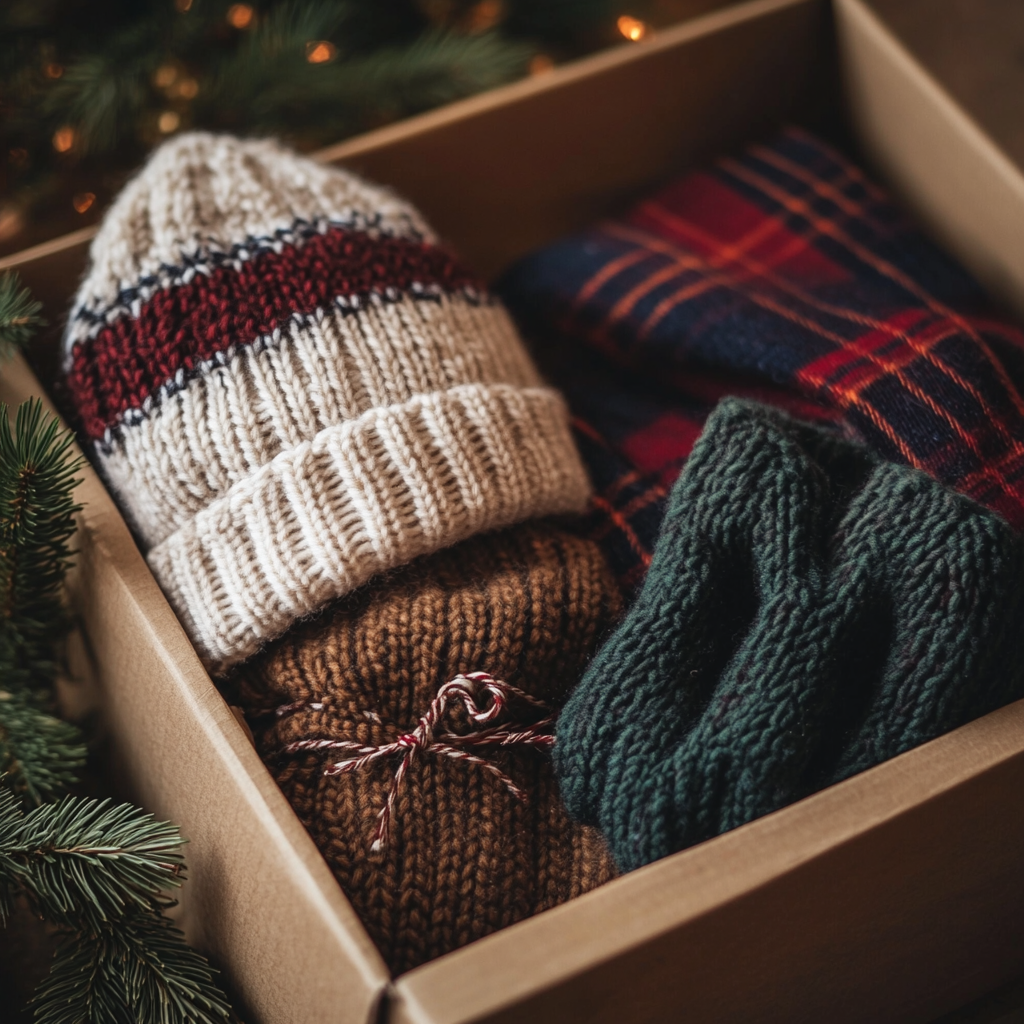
(240,16)
(169,121)
(631,28)
(186,88)
(541,64)
(64,139)
(165,76)
(320,51)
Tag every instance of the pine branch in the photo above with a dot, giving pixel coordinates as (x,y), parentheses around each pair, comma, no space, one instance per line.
(101,873)
(103,93)
(139,972)
(10,871)
(437,68)
(36,522)
(40,754)
(267,84)
(19,315)
(84,863)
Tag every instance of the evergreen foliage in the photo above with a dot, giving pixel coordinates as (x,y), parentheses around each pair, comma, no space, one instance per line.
(136,971)
(102,874)
(40,754)
(37,474)
(84,862)
(87,87)
(19,315)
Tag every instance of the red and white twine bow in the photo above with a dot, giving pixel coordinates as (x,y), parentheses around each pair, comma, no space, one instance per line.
(485,699)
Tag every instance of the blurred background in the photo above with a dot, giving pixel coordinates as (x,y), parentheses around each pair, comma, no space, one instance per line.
(87,87)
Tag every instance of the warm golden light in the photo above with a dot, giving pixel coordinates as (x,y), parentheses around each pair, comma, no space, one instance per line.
(182,5)
(240,15)
(541,64)
(11,222)
(187,89)
(83,201)
(168,121)
(632,28)
(53,70)
(63,139)
(165,76)
(320,52)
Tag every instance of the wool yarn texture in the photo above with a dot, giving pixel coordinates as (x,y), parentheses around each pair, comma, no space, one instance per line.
(785,276)
(464,857)
(290,387)
(810,611)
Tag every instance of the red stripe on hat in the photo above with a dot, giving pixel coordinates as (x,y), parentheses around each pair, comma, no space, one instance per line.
(179,329)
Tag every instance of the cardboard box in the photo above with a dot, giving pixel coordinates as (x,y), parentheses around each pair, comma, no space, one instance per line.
(894,896)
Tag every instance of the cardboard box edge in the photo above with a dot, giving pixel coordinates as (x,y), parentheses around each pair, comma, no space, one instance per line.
(974,184)
(759,853)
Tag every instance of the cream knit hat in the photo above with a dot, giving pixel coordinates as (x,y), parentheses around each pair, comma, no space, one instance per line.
(291,386)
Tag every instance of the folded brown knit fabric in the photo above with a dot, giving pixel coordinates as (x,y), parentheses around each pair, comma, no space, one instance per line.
(463,855)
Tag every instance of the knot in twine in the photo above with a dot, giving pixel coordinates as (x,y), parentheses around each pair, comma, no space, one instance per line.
(485,699)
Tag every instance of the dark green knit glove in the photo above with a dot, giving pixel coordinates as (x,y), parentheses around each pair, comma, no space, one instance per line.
(809,612)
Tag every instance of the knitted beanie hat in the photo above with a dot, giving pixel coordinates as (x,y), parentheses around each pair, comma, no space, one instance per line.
(290,386)
(406,795)
(810,611)
(785,276)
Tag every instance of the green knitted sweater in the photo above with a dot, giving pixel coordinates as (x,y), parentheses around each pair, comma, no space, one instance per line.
(810,611)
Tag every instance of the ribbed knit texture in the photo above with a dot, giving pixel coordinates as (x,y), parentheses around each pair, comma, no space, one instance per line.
(785,276)
(465,858)
(290,386)
(810,611)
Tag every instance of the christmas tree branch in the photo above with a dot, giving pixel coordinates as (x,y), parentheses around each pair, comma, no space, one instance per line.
(41,755)
(84,863)
(269,82)
(19,315)
(137,971)
(37,474)
(101,872)
(10,871)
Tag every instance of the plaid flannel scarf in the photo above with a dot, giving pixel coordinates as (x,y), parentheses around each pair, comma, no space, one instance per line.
(783,275)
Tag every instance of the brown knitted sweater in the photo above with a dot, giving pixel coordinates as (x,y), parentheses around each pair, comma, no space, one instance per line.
(464,857)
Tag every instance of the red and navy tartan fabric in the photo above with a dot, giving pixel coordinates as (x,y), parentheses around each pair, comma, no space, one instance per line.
(782,275)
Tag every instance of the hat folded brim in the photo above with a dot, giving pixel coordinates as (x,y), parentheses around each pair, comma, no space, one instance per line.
(362,497)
